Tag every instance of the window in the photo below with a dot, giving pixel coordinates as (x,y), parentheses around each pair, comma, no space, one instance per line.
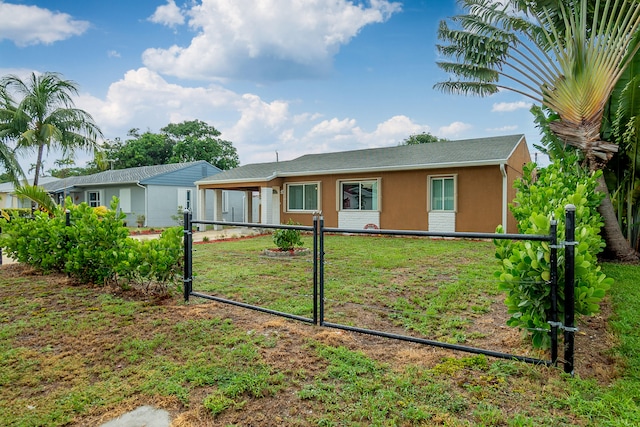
(302,197)
(93,198)
(443,193)
(359,195)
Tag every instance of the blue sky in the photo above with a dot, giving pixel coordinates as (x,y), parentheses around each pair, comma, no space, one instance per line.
(292,76)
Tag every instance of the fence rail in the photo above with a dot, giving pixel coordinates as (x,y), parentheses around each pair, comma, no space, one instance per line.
(319,232)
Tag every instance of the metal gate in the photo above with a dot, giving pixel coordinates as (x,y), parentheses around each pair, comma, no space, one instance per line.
(317,284)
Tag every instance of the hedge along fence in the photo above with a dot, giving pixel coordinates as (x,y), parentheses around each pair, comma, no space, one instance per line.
(92,245)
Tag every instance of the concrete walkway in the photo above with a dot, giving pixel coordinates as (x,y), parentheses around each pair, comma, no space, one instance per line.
(199,236)
(144,416)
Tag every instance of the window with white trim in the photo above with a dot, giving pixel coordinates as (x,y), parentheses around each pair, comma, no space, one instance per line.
(303,197)
(93,199)
(443,192)
(359,195)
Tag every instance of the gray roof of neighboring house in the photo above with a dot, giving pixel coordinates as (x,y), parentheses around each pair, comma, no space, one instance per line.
(469,152)
(8,187)
(118,176)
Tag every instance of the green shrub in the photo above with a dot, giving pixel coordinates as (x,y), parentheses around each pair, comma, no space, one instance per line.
(524,265)
(99,243)
(15,212)
(38,240)
(95,248)
(155,264)
(287,239)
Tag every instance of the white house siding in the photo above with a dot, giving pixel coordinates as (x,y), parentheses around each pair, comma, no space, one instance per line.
(162,203)
(442,221)
(137,205)
(358,219)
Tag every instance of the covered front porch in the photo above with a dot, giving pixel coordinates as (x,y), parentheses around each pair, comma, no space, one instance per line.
(261,203)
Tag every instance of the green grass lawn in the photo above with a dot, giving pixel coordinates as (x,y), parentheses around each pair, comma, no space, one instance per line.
(72,355)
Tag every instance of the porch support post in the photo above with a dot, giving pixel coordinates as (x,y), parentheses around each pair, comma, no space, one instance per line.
(201,214)
(217,208)
(248,206)
(266,205)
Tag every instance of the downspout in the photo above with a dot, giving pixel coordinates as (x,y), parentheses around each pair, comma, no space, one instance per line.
(505,188)
(146,203)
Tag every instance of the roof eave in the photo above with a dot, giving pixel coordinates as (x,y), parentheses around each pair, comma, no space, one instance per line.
(237,180)
(282,174)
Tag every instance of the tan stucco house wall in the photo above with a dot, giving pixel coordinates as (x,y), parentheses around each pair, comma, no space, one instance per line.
(395,187)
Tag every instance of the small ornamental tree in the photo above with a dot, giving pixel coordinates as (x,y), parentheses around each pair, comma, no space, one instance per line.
(287,239)
(525,265)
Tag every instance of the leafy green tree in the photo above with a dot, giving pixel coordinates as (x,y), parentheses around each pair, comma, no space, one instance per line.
(44,116)
(565,55)
(422,138)
(147,149)
(196,140)
(183,142)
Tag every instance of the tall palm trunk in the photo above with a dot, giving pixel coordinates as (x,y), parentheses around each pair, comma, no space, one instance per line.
(36,178)
(617,246)
(587,138)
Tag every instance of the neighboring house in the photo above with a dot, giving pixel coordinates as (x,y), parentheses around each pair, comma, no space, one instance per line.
(9,200)
(153,194)
(463,185)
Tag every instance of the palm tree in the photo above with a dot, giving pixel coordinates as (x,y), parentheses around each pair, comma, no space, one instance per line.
(45,116)
(566,55)
(622,125)
(8,159)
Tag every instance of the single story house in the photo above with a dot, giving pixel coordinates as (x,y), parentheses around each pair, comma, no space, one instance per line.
(153,195)
(463,185)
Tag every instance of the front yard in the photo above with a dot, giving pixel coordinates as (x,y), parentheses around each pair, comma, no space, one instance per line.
(79,355)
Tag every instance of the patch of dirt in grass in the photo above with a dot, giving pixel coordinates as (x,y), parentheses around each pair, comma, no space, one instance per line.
(292,352)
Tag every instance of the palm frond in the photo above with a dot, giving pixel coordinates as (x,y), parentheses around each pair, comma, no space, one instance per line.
(37,195)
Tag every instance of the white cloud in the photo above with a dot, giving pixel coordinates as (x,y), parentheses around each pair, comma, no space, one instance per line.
(266,40)
(113,54)
(256,127)
(168,14)
(454,130)
(30,25)
(508,128)
(505,107)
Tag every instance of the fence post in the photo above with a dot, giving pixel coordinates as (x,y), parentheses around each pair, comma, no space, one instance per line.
(315,269)
(321,266)
(187,277)
(553,264)
(569,279)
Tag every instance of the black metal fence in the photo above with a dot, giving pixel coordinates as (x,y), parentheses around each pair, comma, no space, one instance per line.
(319,231)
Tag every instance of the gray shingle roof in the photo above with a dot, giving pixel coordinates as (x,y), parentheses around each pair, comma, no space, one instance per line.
(8,187)
(469,152)
(118,176)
